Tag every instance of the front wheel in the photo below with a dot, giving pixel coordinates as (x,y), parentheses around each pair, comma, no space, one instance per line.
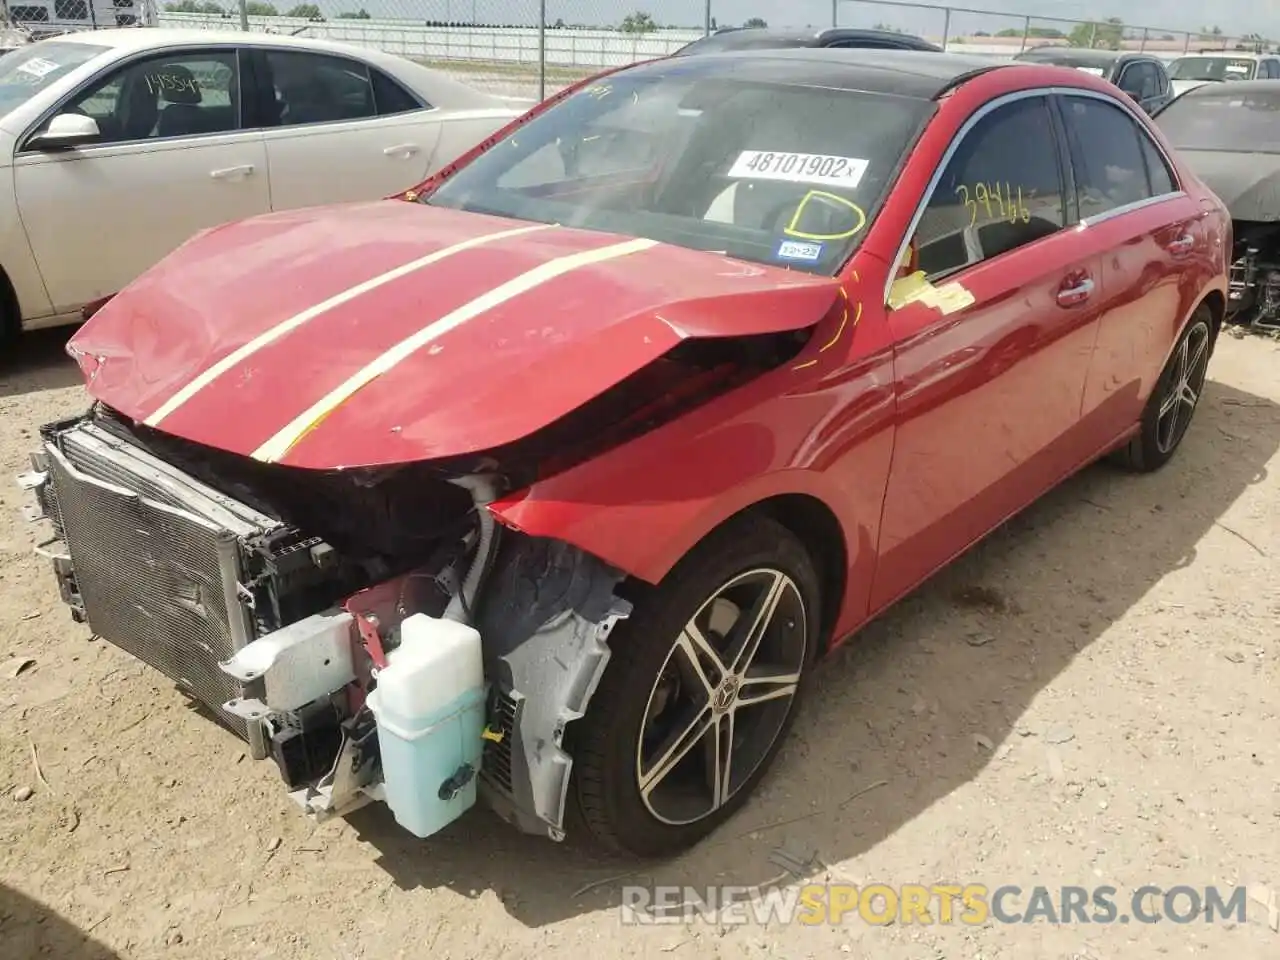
(701,688)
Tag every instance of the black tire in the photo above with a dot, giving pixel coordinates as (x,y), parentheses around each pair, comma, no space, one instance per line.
(10,322)
(607,746)
(1156,441)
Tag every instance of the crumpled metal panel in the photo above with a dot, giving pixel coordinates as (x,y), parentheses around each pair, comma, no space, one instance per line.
(545,617)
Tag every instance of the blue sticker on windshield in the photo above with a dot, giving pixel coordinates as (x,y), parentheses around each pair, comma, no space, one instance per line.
(805,250)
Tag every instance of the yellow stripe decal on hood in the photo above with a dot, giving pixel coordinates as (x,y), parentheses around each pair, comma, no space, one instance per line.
(279,445)
(269,336)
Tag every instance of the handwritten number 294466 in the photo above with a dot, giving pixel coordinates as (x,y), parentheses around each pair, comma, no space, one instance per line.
(994,200)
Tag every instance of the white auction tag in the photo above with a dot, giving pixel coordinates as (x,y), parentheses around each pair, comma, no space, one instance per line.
(799,168)
(1092,71)
(38,67)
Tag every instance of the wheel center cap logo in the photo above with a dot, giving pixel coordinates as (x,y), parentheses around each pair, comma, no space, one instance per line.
(726,694)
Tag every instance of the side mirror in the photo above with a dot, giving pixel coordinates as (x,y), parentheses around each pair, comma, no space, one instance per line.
(65,131)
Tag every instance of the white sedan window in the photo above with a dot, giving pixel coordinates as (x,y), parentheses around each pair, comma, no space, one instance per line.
(173,95)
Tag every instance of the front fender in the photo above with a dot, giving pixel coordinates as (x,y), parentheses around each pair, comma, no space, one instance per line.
(644,518)
(821,430)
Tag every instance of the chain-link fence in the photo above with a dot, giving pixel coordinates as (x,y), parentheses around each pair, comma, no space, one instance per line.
(535,47)
(964,29)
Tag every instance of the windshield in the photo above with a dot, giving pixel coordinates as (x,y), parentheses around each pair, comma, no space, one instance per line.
(755,168)
(26,71)
(1234,124)
(1212,68)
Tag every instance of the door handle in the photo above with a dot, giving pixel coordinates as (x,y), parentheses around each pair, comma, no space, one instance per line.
(229,173)
(1182,245)
(401,150)
(1078,293)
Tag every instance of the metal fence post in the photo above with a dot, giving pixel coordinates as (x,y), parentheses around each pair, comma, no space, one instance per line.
(1026,32)
(1093,33)
(946,26)
(1186,44)
(244,15)
(835,13)
(542,49)
(1143,44)
(706,20)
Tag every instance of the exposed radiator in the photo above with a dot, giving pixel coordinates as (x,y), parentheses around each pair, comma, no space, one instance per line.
(156,560)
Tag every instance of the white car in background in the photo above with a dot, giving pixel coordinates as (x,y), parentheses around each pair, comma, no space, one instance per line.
(1192,70)
(116,146)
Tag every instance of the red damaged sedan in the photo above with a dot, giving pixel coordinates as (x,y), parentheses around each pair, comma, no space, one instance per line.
(546,487)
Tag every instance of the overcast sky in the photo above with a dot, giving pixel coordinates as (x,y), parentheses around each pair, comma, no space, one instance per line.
(1235,17)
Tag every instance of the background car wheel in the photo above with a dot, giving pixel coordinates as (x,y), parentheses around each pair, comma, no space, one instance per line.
(10,320)
(701,687)
(1173,401)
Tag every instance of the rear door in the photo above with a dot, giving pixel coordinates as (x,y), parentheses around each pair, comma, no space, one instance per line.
(338,129)
(1151,230)
(990,374)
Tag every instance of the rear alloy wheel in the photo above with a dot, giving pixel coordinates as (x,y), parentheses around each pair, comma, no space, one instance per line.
(700,691)
(1173,401)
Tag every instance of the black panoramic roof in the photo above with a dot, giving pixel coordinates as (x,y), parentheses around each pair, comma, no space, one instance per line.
(1073,55)
(906,73)
(769,38)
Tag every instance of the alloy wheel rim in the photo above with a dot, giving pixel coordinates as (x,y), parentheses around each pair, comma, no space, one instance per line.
(722,697)
(1186,381)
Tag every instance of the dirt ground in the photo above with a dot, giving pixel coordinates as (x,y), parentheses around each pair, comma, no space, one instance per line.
(1087,698)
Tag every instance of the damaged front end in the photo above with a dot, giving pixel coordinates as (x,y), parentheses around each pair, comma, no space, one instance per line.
(374,632)
(1254,293)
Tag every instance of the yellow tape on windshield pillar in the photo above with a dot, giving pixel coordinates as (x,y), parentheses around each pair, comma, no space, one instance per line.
(946,299)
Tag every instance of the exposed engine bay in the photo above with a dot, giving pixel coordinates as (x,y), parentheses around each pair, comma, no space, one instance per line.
(333,619)
(1254,295)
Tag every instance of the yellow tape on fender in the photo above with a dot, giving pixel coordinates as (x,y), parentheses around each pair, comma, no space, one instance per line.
(946,299)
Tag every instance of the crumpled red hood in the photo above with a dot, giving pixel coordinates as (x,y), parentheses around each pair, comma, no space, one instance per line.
(390,332)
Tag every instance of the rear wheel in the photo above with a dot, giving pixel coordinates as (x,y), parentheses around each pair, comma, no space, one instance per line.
(1173,401)
(702,686)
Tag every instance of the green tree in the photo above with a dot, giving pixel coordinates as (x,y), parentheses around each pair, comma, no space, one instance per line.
(306,11)
(256,8)
(639,22)
(361,14)
(887,28)
(183,6)
(1105,35)
(755,22)
(212,8)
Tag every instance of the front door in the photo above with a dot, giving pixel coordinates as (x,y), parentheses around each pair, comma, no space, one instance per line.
(992,348)
(172,159)
(338,130)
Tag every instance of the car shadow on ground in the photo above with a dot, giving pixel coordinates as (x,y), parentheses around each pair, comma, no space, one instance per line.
(919,703)
(28,930)
(38,361)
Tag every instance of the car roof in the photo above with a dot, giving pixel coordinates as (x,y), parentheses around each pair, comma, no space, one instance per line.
(1234,88)
(908,73)
(1051,52)
(743,38)
(158,38)
(1225,54)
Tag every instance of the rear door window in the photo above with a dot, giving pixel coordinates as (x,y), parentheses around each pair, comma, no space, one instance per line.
(1114,160)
